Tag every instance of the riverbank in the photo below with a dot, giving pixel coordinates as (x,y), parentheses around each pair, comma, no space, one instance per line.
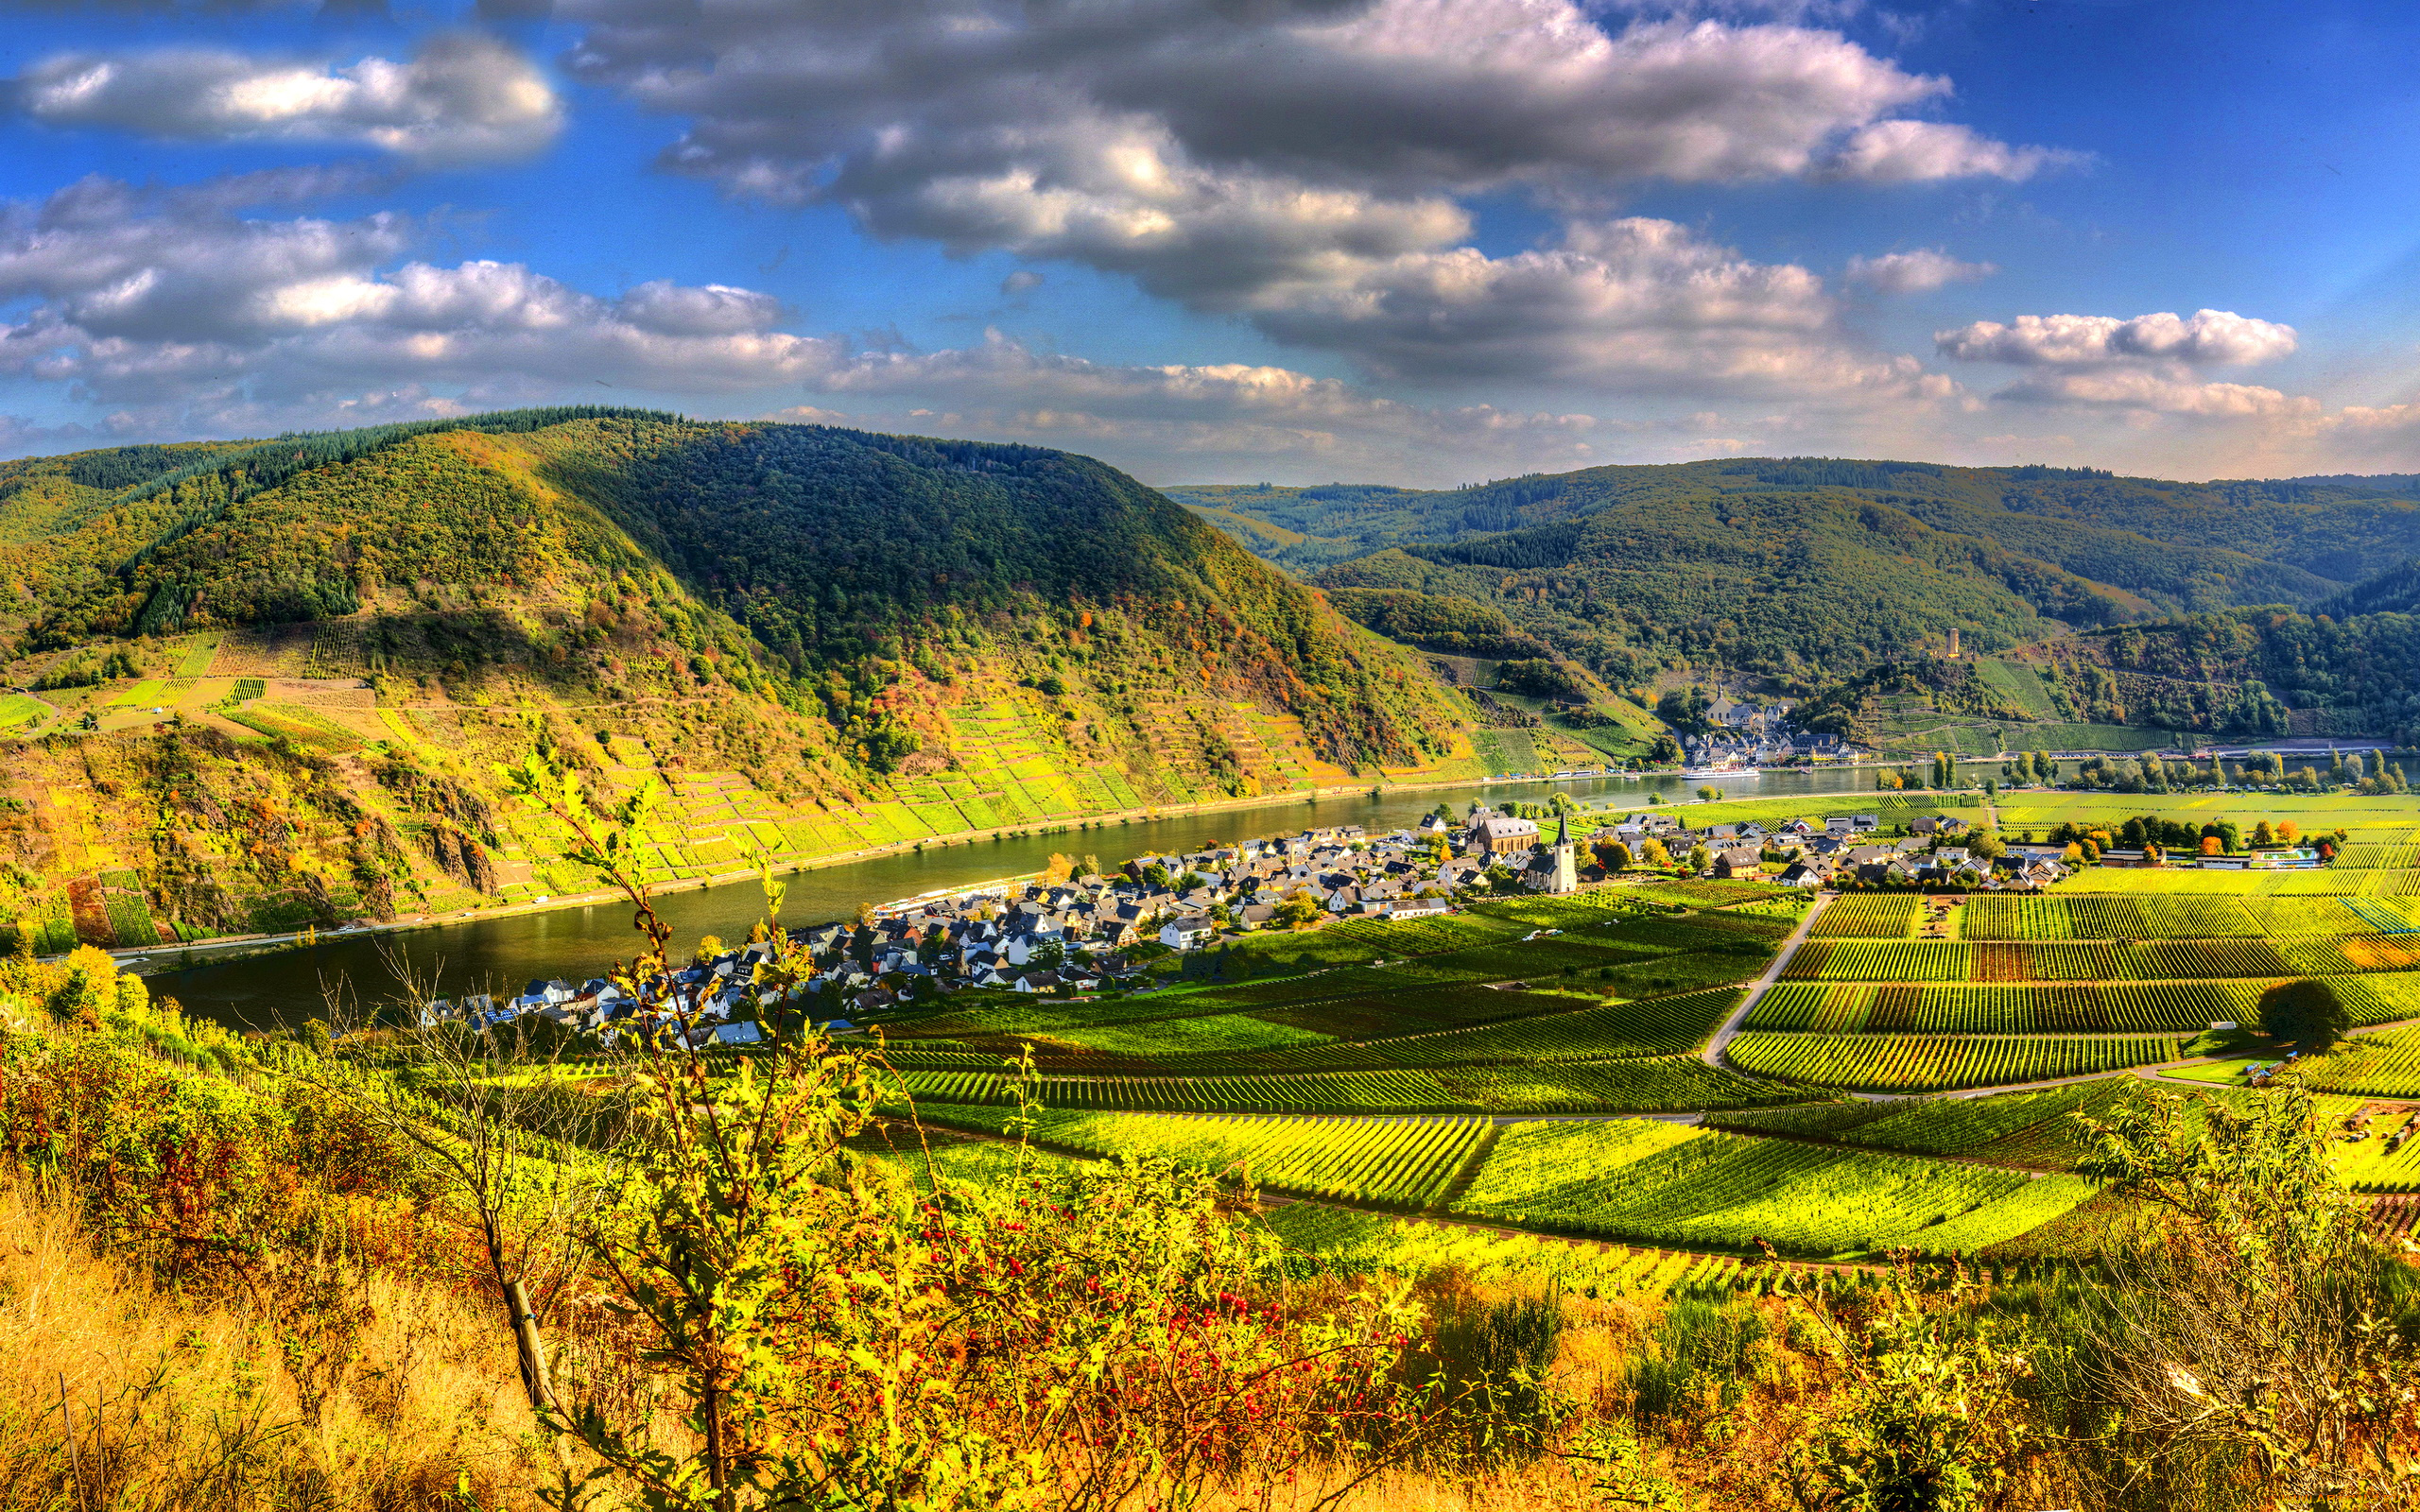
(223,950)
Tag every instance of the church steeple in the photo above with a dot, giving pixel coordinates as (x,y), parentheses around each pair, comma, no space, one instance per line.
(1564,876)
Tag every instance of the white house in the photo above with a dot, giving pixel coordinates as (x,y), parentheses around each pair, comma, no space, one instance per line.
(1188,932)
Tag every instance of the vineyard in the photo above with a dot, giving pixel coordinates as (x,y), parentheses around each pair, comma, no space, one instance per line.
(1656,1184)
(2007,916)
(2053,1008)
(1396,1163)
(1867,916)
(2079,960)
(1370,1074)
(2034,1128)
(1906,1063)
(2383,1065)
(1342,1241)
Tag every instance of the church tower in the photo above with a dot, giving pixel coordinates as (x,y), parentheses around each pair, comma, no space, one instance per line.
(1566,865)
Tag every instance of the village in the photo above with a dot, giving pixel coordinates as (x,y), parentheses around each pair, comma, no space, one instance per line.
(1743,734)
(1079,929)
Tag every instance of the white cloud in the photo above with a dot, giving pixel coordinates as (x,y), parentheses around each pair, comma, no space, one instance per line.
(2210,337)
(2153,392)
(1632,304)
(1892,152)
(2148,368)
(141,296)
(174,317)
(1282,158)
(1921,271)
(463,97)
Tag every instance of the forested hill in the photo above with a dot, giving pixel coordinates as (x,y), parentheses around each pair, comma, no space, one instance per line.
(870,638)
(2179,545)
(1806,569)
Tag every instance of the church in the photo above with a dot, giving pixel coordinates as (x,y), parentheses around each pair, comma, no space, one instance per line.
(1502,839)
(1555,868)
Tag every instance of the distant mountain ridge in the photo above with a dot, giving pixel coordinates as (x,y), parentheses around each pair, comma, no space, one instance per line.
(1807,574)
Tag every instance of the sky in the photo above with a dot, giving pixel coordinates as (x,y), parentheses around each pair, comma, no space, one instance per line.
(1423,242)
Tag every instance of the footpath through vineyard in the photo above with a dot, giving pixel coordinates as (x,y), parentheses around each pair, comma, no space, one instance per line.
(1722,1037)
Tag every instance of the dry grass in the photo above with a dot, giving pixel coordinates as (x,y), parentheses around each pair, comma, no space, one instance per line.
(332,1388)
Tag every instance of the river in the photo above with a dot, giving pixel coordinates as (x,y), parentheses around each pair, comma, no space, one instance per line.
(487,954)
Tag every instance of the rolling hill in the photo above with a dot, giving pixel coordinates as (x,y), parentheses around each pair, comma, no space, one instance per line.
(264,681)
(1837,577)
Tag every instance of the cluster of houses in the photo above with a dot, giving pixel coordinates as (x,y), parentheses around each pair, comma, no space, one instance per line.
(1849,849)
(1082,933)
(717,999)
(1750,735)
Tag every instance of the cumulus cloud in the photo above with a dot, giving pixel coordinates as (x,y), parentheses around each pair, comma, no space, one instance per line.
(463,97)
(1891,152)
(140,296)
(1921,271)
(1280,156)
(2207,338)
(2156,393)
(1635,303)
(173,314)
(2146,367)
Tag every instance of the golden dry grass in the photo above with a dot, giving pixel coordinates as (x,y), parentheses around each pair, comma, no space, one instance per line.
(392,1398)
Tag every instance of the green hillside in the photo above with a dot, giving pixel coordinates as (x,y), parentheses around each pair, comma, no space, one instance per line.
(269,679)
(2177,546)
(1843,580)
(1793,587)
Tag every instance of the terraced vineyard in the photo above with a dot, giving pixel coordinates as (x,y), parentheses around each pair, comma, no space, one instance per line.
(2065,1007)
(1911,1064)
(1405,1162)
(2384,1065)
(2029,1128)
(2032,918)
(1344,1242)
(1661,1184)
(2087,960)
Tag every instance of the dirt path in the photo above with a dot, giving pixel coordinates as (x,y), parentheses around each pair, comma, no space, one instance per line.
(1713,1053)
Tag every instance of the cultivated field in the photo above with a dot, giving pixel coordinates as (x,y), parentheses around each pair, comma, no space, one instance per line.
(1474,1067)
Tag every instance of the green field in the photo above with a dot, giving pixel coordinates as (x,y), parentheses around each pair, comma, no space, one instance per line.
(1926,1063)
(1351,1063)
(1396,1163)
(1650,1183)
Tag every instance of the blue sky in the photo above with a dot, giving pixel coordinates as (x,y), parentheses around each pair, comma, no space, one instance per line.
(1425,241)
